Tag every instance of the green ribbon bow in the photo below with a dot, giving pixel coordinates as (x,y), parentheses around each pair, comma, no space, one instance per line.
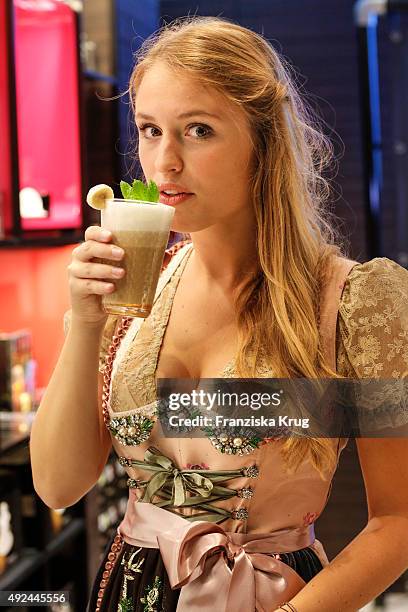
(167,472)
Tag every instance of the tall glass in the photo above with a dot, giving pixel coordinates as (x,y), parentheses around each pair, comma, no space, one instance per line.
(142,230)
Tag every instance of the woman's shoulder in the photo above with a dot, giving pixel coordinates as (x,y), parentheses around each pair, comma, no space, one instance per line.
(373,318)
(374,281)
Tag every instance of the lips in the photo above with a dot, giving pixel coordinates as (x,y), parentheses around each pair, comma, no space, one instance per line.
(173,194)
(181,194)
(173,187)
(172,200)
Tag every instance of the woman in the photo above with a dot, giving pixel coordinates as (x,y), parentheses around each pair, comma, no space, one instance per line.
(256,291)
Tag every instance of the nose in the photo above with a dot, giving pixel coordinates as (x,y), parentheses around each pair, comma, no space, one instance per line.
(168,156)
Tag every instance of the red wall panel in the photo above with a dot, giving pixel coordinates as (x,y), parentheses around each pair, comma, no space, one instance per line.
(48,109)
(34,295)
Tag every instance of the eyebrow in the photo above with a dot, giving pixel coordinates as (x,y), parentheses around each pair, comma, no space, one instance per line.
(182,116)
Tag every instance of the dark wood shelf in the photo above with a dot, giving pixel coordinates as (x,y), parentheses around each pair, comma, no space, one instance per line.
(70,531)
(10,434)
(31,559)
(11,440)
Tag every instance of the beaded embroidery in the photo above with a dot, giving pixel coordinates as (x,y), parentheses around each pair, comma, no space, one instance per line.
(131,430)
(240,514)
(125,605)
(251,472)
(151,599)
(130,568)
(132,483)
(232,445)
(245,492)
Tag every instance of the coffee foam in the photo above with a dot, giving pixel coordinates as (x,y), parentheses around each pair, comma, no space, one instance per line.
(133,215)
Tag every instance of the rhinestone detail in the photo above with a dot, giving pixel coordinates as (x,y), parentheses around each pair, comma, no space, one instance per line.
(131,430)
(239,515)
(132,483)
(245,492)
(232,445)
(252,471)
(125,462)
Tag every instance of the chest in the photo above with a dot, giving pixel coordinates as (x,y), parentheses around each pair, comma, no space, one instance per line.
(200,336)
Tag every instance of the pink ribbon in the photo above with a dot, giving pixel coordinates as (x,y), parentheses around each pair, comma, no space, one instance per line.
(215,569)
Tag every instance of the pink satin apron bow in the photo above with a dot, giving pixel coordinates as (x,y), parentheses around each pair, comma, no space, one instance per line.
(215,569)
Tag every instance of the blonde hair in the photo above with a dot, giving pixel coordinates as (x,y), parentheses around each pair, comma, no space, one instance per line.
(278,309)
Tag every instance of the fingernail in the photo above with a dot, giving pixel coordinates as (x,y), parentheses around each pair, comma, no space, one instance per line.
(118,272)
(105,234)
(117,252)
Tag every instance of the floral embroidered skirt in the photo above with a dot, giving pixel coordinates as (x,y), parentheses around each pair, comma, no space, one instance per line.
(134,579)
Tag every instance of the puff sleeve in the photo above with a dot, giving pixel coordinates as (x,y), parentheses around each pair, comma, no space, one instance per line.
(373,337)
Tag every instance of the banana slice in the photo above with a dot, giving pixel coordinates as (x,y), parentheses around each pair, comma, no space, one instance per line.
(97,195)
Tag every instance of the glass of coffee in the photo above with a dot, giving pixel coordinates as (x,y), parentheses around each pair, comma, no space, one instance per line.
(142,230)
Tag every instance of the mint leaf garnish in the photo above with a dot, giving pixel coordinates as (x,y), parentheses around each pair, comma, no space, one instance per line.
(125,189)
(154,193)
(137,187)
(139,191)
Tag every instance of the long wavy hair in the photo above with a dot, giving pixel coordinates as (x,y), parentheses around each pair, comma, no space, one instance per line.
(278,309)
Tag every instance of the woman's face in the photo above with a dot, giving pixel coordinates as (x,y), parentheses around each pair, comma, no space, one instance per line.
(193,137)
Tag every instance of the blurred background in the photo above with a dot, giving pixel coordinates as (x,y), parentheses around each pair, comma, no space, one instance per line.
(64,127)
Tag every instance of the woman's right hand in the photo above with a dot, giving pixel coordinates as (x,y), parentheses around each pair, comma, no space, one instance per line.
(89,280)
